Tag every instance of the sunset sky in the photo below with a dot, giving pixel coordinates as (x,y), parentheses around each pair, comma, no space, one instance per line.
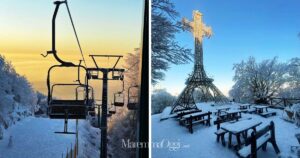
(103,27)
(263,29)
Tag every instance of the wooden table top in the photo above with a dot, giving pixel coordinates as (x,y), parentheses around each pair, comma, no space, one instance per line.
(193,114)
(260,106)
(241,126)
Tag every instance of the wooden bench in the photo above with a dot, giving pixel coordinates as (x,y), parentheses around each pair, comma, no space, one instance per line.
(197,119)
(220,132)
(259,140)
(267,114)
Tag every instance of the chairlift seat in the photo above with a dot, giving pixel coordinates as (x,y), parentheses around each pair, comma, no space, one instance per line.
(119,104)
(112,111)
(94,74)
(76,109)
(119,99)
(132,106)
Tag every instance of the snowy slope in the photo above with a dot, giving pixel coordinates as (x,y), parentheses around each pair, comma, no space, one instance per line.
(173,141)
(35,138)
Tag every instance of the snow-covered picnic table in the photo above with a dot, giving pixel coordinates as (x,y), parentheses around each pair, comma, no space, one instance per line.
(260,108)
(219,110)
(186,112)
(233,114)
(239,128)
(244,106)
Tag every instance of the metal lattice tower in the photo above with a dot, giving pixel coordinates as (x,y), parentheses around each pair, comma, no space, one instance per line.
(198,79)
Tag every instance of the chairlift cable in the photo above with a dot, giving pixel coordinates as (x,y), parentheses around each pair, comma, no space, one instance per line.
(75,33)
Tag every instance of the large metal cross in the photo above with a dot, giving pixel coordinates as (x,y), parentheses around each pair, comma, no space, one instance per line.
(197,27)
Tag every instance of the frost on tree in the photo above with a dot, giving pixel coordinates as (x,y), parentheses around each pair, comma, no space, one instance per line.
(123,124)
(292,89)
(257,82)
(165,50)
(17,97)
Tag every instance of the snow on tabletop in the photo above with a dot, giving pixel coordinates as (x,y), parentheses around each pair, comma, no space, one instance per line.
(260,106)
(232,111)
(240,125)
(193,114)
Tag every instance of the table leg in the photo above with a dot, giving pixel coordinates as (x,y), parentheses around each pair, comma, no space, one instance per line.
(229,140)
(238,141)
(244,134)
(254,129)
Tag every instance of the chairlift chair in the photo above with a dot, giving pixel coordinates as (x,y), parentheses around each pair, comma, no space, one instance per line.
(132,99)
(59,108)
(112,109)
(119,97)
(90,98)
(117,76)
(94,74)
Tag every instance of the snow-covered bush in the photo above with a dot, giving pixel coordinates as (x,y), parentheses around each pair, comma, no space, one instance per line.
(161,99)
(296,109)
(122,129)
(89,144)
(41,103)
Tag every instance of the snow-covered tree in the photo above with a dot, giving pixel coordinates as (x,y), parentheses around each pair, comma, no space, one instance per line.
(165,49)
(123,125)
(15,92)
(160,99)
(258,81)
(292,89)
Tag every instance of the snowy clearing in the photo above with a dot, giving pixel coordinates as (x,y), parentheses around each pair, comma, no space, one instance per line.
(170,140)
(35,138)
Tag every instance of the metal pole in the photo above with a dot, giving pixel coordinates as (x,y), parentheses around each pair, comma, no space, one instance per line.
(99,116)
(103,153)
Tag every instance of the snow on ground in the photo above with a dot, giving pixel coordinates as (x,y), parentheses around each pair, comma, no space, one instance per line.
(35,138)
(170,140)
(89,140)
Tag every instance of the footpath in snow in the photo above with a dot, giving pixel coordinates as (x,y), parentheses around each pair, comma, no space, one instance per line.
(35,138)
(170,140)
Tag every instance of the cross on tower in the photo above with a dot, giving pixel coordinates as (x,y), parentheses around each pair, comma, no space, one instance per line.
(199,30)
(197,27)
(198,79)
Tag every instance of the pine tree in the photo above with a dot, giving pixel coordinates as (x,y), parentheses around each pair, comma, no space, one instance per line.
(165,49)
